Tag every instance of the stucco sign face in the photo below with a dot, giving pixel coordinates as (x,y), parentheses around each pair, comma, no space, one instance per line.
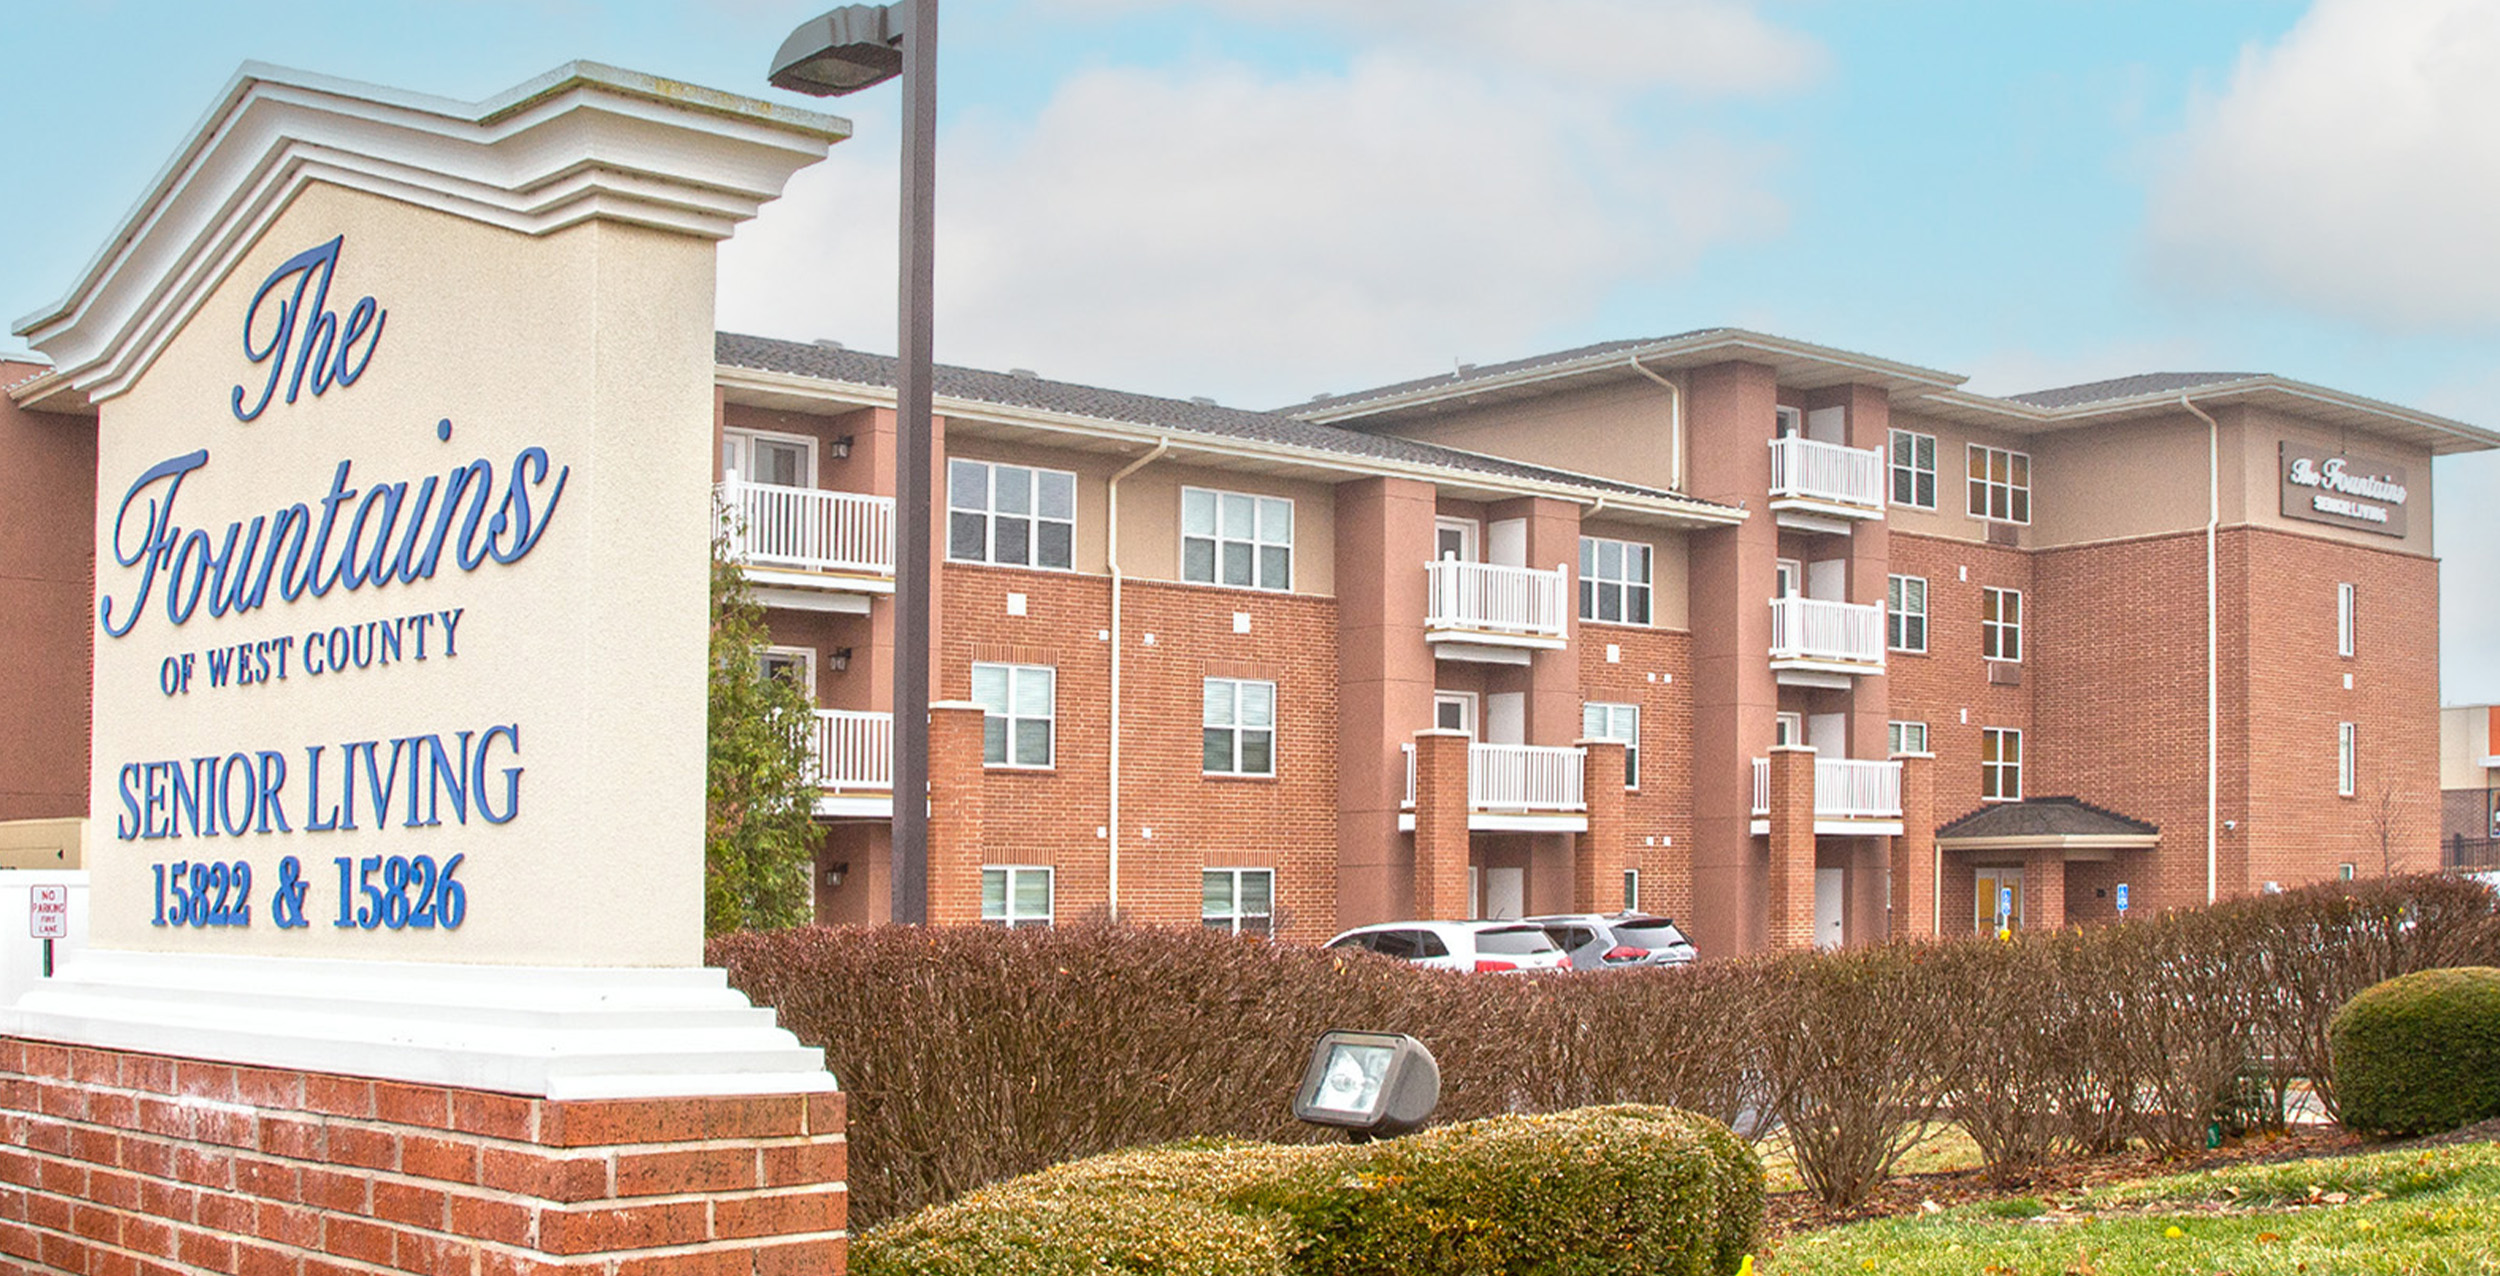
(400,557)
(2343,490)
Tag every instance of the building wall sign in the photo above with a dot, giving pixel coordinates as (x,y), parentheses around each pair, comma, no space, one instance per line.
(399,615)
(2343,489)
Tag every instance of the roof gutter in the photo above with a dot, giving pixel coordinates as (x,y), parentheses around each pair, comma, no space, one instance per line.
(1674,505)
(1111,559)
(1675,423)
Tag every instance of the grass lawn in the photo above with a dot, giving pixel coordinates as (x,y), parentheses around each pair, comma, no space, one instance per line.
(2434,1211)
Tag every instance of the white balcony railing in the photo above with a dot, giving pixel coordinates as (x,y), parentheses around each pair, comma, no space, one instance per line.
(854,751)
(1805,469)
(1844,789)
(808,529)
(1487,601)
(1516,777)
(1819,629)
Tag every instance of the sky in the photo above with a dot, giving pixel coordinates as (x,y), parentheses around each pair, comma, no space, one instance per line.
(1264,200)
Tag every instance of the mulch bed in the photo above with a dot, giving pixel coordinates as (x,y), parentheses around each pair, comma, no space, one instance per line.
(1790,1213)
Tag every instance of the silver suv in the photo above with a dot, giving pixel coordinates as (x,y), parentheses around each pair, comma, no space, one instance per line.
(1616,941)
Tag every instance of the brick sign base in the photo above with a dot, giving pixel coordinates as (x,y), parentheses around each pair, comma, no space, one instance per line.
(144,1164)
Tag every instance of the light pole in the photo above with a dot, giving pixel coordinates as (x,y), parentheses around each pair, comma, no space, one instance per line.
(844,51)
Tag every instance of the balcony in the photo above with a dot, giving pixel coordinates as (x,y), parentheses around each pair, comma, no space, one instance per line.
(854,756)
(810,549)
(1820,486)
(1816,642)
(1501,615)
(1850,797)
(1516,788)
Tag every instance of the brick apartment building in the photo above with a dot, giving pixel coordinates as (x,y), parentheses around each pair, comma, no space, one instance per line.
(1793,644)
(2469,786)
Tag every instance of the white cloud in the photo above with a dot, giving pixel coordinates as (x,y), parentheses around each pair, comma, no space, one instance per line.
(1703,46)
(1224,229)
(2351,169)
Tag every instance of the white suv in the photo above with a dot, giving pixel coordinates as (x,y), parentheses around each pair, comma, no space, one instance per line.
(1477,946)
(1612,941)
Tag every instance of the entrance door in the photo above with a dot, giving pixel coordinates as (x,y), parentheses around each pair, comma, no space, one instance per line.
(1829,897)
(1505,894)
(1998,902)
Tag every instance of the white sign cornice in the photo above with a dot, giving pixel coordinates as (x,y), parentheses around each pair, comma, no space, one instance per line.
(581,142)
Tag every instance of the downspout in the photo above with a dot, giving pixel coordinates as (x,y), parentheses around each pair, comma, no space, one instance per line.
(1675,424)
(1112,559)
(2213,649)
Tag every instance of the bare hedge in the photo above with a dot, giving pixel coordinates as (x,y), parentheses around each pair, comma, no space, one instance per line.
(973,1055)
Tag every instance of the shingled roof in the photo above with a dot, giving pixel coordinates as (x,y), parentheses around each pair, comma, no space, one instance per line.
(2048,819)
(1482,372)
(832,363)
(2143,383)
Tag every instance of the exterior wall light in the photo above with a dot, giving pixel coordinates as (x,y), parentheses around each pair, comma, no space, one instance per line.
(836,871)
(840,660)
(1369,1084)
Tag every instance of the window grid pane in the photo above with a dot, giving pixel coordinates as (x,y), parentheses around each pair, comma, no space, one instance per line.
(1231,538)
(1020,703)
(1010,514)
(1913,469)
(2000,485)
(1238,900)
(1905,613)
(1614,580)
(1238,727)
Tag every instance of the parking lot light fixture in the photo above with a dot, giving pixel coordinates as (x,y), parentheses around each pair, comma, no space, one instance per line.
(843,51)
(1369,1084)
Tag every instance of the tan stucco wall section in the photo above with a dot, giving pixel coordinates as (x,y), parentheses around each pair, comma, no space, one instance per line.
(2126,478)
(2464,741)
(1621,430)
(1150,509)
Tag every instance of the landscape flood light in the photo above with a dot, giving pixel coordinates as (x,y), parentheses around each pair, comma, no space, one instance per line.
(1369,1084)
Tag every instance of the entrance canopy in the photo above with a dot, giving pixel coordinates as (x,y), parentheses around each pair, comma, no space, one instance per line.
(2083,831)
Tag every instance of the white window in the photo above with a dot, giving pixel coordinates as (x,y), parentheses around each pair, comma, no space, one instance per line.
(782,460)
(1788,728)
(1454,711)
(2343,619)
(1229,538)
(1013,514)
(1240,727)
(1905,613)
(1614,580)
(2343,759)
(1020,701)
(1631,890)
(2000,765)
(2001,624)
(1914,469)
(1454,539)
(1908,737)
(1015,896)
(1239,900)
(2000,485)
(798,664)
(1616,722)
(1787,422)
(2344,872)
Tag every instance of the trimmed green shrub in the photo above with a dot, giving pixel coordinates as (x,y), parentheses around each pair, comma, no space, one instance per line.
(1583,1193)
(2421,1053)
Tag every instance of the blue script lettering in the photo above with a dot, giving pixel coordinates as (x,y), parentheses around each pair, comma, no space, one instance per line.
(323,346)
(300,554)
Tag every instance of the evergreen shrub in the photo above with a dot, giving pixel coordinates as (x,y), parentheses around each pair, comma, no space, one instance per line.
(2420,1053)
(1593,1191)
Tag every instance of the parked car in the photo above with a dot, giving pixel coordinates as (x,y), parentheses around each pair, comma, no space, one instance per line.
(1478,946)
(1615,941)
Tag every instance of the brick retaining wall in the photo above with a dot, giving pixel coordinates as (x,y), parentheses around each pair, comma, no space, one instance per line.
(143,1164)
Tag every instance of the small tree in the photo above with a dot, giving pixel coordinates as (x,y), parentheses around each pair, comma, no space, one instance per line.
(759,827)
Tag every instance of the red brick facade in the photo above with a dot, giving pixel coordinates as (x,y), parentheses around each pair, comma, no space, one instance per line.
(148,1165)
